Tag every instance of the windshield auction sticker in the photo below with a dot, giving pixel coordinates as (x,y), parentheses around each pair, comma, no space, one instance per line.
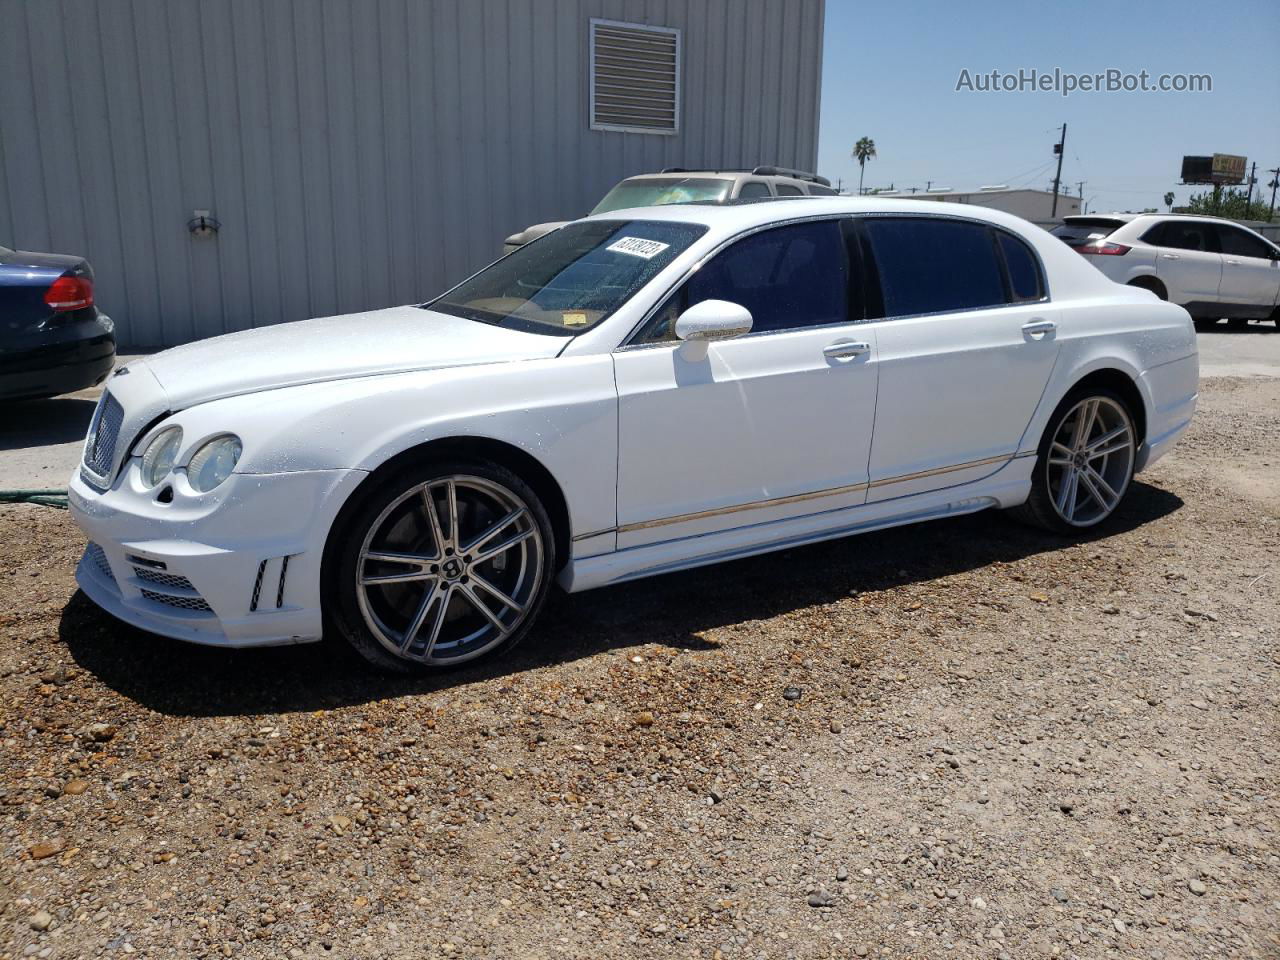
(638,247)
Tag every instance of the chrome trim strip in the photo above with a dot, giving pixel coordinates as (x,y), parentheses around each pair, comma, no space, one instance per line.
(921,474)
(816,495)
(754,505)
(594,533)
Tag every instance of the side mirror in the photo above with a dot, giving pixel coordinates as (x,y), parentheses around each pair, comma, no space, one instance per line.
(713,320)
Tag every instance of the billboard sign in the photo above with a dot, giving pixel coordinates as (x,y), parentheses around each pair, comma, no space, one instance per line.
(1219,169)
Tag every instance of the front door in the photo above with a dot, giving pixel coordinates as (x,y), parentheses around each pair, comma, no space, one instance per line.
(964,351)
(770,425)
(1250,275)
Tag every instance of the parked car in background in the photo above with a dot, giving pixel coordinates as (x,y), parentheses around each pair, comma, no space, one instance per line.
(679,185)
(53,338)
(640,392)
(1213,267)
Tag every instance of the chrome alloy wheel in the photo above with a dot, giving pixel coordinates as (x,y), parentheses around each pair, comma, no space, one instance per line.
(1090,461)
(448,570)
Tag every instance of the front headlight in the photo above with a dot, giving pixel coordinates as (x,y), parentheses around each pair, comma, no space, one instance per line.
(158,459)
(213,463)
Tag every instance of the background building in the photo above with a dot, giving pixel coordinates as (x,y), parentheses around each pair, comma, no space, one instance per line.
(361,154)
(1034,205)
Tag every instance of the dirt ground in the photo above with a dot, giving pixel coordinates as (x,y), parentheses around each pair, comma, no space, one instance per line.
(964,739)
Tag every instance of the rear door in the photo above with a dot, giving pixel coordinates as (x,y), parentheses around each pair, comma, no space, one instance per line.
(965,346)
(1189,262)
(1250,272)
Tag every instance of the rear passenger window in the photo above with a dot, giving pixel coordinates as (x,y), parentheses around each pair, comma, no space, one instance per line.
(818,190)
(755,188)
(929,265)
(788,190)
(788,277)
(1025,282)
(1184,235)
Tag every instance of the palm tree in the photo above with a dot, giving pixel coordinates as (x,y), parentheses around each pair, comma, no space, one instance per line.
(1168,200)
(863,151)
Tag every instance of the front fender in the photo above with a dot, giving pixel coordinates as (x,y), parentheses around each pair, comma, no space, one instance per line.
(561,411)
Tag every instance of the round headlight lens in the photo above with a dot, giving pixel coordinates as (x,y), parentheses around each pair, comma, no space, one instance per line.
(213,463)
(158,459)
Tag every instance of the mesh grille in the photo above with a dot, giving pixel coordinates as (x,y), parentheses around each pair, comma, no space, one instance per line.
(634,77)
(95,555)
(100,448)
(183,603)
(164,579)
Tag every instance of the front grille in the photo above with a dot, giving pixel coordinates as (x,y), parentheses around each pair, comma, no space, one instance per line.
(163,579)
(182,603)
(98,557)
(100,447)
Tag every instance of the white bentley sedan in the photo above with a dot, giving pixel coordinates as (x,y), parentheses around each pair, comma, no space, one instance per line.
(635,393)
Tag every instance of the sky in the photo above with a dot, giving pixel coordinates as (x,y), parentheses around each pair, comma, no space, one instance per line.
(890,71)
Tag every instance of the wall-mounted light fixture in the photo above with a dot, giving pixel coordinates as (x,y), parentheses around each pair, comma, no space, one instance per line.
(202,224)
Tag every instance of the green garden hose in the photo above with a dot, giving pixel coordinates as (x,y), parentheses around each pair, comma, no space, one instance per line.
(46,498)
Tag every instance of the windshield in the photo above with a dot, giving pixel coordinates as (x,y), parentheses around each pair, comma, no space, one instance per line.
(571,279)
(657,191)
(1078,231)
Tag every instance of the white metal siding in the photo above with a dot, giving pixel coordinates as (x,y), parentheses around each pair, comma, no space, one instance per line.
(357,154)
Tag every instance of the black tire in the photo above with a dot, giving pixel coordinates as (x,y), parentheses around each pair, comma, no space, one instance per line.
(1040,509)
(351,536)
(1152,284)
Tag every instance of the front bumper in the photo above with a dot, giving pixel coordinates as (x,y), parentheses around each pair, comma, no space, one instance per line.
(237,567)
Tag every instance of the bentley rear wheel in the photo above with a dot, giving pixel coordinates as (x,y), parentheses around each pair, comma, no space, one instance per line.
(441,565)
(1085,463)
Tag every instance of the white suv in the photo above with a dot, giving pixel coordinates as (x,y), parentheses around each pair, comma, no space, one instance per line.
(679,185)
(1213,267)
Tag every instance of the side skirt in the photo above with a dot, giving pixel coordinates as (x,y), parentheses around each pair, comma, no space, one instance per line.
(1008,487)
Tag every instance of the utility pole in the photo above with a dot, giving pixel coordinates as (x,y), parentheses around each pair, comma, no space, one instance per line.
(1059,148)
(1252,180)
(928,185)
(1275,182)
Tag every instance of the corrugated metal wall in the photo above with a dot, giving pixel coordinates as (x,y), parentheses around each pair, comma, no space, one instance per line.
(358,154)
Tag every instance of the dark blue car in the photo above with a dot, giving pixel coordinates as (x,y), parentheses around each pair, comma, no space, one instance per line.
(52,338)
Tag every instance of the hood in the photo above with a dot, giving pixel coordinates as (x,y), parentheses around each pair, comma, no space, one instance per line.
(395,340)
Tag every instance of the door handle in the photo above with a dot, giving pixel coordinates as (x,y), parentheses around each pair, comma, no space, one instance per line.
(1234,263)
(846,348)
(1037,329)
(1169,256)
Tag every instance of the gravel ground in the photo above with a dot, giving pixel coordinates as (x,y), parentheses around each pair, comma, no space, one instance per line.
(963,739)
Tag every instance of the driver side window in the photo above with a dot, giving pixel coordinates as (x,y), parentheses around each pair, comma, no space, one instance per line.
(787,277)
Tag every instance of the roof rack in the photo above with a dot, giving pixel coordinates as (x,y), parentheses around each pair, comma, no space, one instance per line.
(763,171)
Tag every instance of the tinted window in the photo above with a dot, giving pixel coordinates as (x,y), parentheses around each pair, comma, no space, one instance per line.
(1025,282)
(1078,230)
(788,190)
(571,279)
(795,276)
(1185,235)
(755,188)
(1241,243)
(929,265)
(818,190)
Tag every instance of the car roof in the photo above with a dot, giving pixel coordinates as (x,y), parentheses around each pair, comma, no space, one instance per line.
(734,217)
